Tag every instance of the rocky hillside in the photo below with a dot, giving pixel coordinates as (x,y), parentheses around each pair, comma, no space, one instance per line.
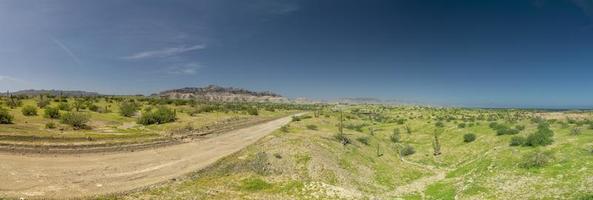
(217,93)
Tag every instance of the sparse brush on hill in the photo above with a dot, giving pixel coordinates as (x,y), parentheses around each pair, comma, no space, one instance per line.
(536,159)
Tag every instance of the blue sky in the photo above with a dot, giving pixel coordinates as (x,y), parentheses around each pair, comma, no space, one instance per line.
(527,53)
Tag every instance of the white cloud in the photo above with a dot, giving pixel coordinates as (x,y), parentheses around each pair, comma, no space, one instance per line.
(164,52)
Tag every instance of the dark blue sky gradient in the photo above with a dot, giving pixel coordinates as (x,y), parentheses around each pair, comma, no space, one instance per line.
(495,53)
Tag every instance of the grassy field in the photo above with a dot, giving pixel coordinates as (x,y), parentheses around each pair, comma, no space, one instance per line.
(307,159)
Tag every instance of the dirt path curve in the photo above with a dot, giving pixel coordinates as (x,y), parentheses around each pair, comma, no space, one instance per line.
(83,175)
(419,185)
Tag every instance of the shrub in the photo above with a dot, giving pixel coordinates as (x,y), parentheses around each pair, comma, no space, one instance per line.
(439,124)
(42,103)
(159,116)
(536,159)
(64,106)
(128,109)
(51,112)
(252,111)
(364,140)
(342,138)
(75,119)
(284,128)
(50,125)
(395,136)
(407,150)
(312,127)
(469,137)
(517,141)
(5,116)
(29,110)
(93,107)
(461,125)
(520,127)
(542,137)
(13,102)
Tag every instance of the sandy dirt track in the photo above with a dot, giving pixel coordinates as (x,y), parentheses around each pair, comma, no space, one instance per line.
(84,175)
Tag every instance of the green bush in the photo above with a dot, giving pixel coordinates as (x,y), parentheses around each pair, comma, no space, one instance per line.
(542,137)
(159,116)
(284,129)
(51,112)
(252,111)
(517,141)
(575,131)
(342,138)
(439,124)
(50,125)
(93,107)
(407,150)
(461,125)
(536,159)
(312,127)
(64,106)
(75,119)
(469,137)
(42,103)
(5,116)
(364,140)
(128,109)
(29,110)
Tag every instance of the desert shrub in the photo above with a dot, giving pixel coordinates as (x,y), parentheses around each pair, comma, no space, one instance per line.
(395,137)
(408,129)
(407,150)
(252,111)
(355,126)
(259,164)
(75,119)
(536,159)
(128,109)
(284,129)
(542,137)
(5,116)
(520,127)
(312,127)
(461,125)
(93,107)
(159,116)
(29,110)
(51,112)
(517,141)
(64,106)
(299,118)
(79,104)
(493,125)
(364,140)
(504,130)
(342,138)
(42,103)
(439,124)
(469,137)
(50,125)
(13,102)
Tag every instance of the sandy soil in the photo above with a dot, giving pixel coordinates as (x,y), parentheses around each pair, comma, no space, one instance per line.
(84,175)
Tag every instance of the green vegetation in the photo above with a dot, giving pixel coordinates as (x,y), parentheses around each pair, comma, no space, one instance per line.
(469,137)
(51,112)
(128,109)
(75,119)
(159,116)
(29,110)
(5,116)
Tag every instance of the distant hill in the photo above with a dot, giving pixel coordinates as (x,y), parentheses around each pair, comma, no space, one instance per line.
(67,93)
(218,93)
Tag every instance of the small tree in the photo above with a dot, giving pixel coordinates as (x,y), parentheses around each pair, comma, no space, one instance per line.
(64,106)
(79,104)
(407,150)
(29,110)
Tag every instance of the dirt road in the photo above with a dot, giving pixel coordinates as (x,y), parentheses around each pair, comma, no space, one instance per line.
(83,175)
